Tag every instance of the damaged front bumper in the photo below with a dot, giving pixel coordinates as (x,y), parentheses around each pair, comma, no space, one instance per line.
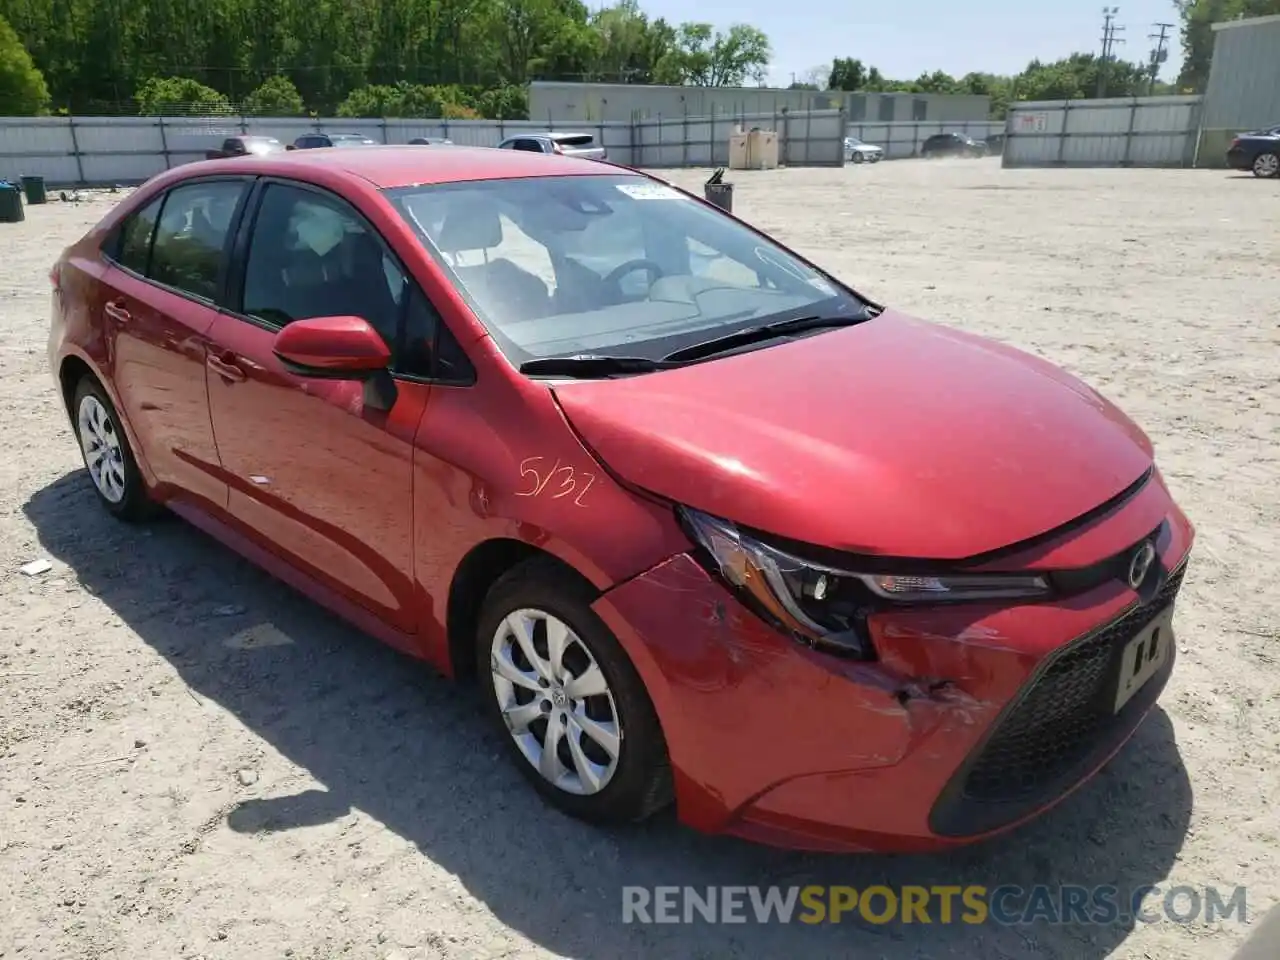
(781,744)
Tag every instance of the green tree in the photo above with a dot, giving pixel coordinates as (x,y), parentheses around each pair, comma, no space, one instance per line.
(276,97)
(504,103)
(1197,17)
(709,58)
(408,100)
(847,74)
(179,97)
(630,45)
(22,89)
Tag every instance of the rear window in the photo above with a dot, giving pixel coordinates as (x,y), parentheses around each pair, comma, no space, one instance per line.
(575,139)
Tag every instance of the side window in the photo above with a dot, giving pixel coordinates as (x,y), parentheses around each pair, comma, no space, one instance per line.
(187,253)
(529,146)
(430,350)
(131,246)
(311,256)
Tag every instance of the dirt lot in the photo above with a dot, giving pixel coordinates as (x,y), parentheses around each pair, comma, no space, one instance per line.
(166,791)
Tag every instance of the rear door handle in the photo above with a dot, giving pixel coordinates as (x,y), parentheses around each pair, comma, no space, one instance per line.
(226,367)
(117,312)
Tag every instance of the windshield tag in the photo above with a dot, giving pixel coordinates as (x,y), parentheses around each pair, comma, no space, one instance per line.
(650,191)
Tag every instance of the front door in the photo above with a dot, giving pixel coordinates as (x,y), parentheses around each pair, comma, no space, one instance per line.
(315,475)
(158,307)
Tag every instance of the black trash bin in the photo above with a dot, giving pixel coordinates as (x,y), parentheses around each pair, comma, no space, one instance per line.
(716,191)
(11,203)
(33,187)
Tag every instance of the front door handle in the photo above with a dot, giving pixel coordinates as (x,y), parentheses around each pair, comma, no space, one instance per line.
(116,311)
(226,367)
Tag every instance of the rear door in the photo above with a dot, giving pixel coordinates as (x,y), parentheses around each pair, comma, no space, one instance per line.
(322,479)
(164,276)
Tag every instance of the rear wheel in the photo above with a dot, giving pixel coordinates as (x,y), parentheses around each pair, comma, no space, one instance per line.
(107,455)
(566,699)
(1267,165)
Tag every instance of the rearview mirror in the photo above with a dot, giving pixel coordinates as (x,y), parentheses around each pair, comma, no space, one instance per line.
(338,348)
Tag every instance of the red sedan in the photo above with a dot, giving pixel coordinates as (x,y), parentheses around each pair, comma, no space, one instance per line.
(706,524)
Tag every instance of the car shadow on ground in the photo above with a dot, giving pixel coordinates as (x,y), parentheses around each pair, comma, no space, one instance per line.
(384,735)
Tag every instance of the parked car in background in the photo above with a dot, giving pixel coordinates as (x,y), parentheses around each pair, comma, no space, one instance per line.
(952,145)
(1257,151)
(995,143)
(857,151)
(312,141)
(244,147)
(564,143)
(431,142)
(641,518)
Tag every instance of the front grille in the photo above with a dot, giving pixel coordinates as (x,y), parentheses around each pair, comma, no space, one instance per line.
(1062,724)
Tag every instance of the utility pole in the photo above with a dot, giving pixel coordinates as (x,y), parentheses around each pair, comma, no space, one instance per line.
(1159,55)
(1109,40)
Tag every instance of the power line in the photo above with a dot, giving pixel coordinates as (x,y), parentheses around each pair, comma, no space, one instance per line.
(1159,54)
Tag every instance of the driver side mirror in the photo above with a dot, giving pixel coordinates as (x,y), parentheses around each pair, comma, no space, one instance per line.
(339,348)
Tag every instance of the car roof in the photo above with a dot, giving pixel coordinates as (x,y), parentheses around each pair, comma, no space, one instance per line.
(387,167)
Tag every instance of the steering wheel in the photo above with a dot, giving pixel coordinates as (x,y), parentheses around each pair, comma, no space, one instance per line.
(614,277)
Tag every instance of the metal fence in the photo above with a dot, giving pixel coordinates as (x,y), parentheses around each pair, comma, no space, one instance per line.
(129,150)
(1119,132)
(904,138)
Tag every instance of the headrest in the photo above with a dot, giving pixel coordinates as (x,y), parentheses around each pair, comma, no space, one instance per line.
(470,225)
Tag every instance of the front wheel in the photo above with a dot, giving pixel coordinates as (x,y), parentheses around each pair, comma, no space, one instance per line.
(572,709)
(1267,165)
(857,158)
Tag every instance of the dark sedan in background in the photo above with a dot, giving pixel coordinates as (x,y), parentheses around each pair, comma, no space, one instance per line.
(245,147)
(312,141)
(952,145)
(1257,151)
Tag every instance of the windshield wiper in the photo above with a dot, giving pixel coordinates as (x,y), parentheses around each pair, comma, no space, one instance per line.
(593,365)
(766,331)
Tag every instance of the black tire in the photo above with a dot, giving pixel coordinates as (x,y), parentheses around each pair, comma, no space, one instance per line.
(857,158)
(1260,163)
(641,783)
(136,505)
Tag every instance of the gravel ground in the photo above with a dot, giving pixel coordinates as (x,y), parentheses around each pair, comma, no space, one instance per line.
(168,790)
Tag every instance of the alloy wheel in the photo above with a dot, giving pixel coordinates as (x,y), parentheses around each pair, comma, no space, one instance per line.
(1266,165)
(556,701)
(103,452)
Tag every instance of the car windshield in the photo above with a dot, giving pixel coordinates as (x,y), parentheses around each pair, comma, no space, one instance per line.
(608,265)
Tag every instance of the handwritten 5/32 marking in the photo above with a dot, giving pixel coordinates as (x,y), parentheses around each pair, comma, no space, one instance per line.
(561,479)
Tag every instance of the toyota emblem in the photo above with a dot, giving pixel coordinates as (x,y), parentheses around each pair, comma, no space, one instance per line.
(1140,564)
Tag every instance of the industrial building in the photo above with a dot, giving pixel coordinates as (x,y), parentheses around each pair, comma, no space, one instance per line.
(597,102)
(1243,92)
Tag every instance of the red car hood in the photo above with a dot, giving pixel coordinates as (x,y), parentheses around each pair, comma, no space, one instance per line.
(895,437)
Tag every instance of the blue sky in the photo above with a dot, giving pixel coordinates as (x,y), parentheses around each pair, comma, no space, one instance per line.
(907,37)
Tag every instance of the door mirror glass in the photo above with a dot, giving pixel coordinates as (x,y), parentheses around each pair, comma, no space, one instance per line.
(333,348)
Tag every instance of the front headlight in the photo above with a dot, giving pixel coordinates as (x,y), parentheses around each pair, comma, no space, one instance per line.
(825,605)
